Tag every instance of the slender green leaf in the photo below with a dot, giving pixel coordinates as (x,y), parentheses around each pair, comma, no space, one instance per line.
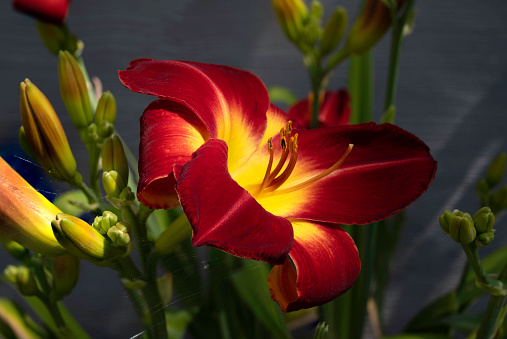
(13,324)
(250,283)
(465,323)
(361,87)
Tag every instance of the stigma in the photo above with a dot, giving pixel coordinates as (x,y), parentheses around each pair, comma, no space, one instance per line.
(273,179)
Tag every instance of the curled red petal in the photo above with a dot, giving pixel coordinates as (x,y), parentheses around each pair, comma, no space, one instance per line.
(326,264)
(223,214)
(52,11)
(387,169)
(230,102)
(334,110)
(170,133)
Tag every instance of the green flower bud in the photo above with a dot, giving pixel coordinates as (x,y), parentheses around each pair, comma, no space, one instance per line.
(105,222)
(484,220)
(11,273)
(65,275)
(496,170)
(84,241)
(74,91)
(445,219)
(105,129)
(291,14)
(165,287)
(44,132)
(333,31)
(119,235)
(462,230)
(114,159)
(57,38)
(113,183)
(484,239)
(15,249)
(25,281)
(483,192)
(106,109)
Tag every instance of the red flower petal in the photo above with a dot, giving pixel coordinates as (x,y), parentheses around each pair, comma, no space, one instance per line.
(52,11)
(386,171)
(225,215)
(231,103)
(334,110)
(326,265)
(170,133)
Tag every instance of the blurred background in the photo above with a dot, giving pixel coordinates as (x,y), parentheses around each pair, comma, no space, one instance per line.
(451,94)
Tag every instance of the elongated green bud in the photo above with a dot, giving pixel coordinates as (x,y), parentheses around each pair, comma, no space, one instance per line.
(462,230)
(113,183)
(484,220)
(23,142)
(291,15)
(25,281)
(114,159)
(333,32)
(499,199)
(106,108)
(44,132)
(496,170)
(82,240)
(65,275)
(74,91)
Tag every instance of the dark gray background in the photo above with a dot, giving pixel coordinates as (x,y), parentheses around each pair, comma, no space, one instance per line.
(452,94)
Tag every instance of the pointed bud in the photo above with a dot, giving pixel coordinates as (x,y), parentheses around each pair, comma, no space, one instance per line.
(496,170)
(106,109)
(173,235)
(291,15)
(11,273)
(82,240)
(445,219)
(13,248)
(25,214)
(105,222)
(484,239)
(65,275)
(25,281)
(133,284)
(114,159)
(333,31)
(484,220)
(58,38)
(74,91)
(370,26)
(462,230)
(165,287)
(44,132)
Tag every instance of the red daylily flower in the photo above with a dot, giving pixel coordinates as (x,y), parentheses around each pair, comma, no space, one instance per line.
(52,11)
(334,110)
(259,187)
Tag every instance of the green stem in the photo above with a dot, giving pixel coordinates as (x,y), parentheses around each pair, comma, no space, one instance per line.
(157,326)
(488,326)
(472,254)
(94,155)
(336,60)
(316,104)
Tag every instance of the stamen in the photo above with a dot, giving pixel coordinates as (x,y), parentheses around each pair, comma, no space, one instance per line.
(265,181)
(283,156)
(293,147)
(315,178)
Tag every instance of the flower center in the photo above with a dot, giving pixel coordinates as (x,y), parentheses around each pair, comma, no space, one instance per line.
(273,179)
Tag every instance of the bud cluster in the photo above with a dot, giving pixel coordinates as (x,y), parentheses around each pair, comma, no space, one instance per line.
(464,229)
(23,278)
(497,200)
(85,241)
(108,224)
